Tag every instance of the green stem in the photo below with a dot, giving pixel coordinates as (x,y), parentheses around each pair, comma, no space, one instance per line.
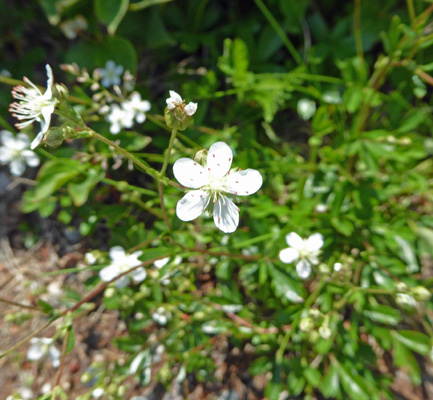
(411,10)
(12,303)
(167,156)
(357,29)
(279,31)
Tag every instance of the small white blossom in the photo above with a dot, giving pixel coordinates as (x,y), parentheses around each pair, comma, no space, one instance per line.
(306,108)
(121,262)
(119,118)
(165,280)
(320,208)
(305,251)
(15,152)
(214,181)
(98,392)
(405,300)
(325,331)
(337,267)
(111,74)
(175,101)
(34,106)
(137,107)
(161,316)
(44,347)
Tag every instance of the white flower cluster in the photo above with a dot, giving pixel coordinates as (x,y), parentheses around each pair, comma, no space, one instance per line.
(123,115)
(121,262)
(16,152)
(213,182)
(42,348)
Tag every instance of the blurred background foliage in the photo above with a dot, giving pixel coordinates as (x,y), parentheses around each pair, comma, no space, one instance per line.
(330,101)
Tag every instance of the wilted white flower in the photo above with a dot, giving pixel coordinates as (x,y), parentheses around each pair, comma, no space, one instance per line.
(111,74)
(175,101)
(121,262)
(137,107)
(44,347)
(213,181)
(71,27)
(34,106)
(306,108)
(161,316)
(15,152)
(306,251)
(119,118)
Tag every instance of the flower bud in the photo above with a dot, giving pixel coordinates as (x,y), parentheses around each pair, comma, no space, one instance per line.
(177,114)
(421,293)
(54,137)
(306,324)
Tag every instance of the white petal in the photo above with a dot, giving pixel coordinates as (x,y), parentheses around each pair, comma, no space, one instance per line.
(191,108)
(7,138)
(295,241)
(189,173)
(117,253)
(192,205)
(17,167)
(36,351)
(303,268)
(314,242)
(50,80)
(226,215)
(5,155)
(140,117)
(31,158)
(175,97)
(37,140)
(46,114)
(55,355)
(219,159)
(289,255)
(138,275)
(160,263)
(244,183)
(122,282)
(108,273)
(22,141)
(132,260)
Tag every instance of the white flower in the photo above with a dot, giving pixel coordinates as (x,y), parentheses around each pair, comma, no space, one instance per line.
(306,251)
(405,300)
(337,267)
(137,107)
(111,74)
(306,108)
(43,347)
(34,106)
(213,181)
(161,316)
(98,392)
(122,262)
(175,101)
(15,152)
(119,118)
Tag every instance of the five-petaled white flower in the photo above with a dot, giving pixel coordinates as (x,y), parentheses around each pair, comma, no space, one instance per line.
(15,152)
(44,347)
(214,181)
(137,107)
(175,101)
(111,74)
(121,262)
(306,251)
(34,106)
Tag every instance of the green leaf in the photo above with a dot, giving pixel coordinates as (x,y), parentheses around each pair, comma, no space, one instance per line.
(285,286)
(331,382)
(54,174)
(79,192)
(313,376)
(383,314)
(45,306)
(111,13)
(404,358)
(415,341)
(353,384)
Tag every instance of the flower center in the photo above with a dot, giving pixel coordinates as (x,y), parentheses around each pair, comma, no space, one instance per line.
(216,186)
